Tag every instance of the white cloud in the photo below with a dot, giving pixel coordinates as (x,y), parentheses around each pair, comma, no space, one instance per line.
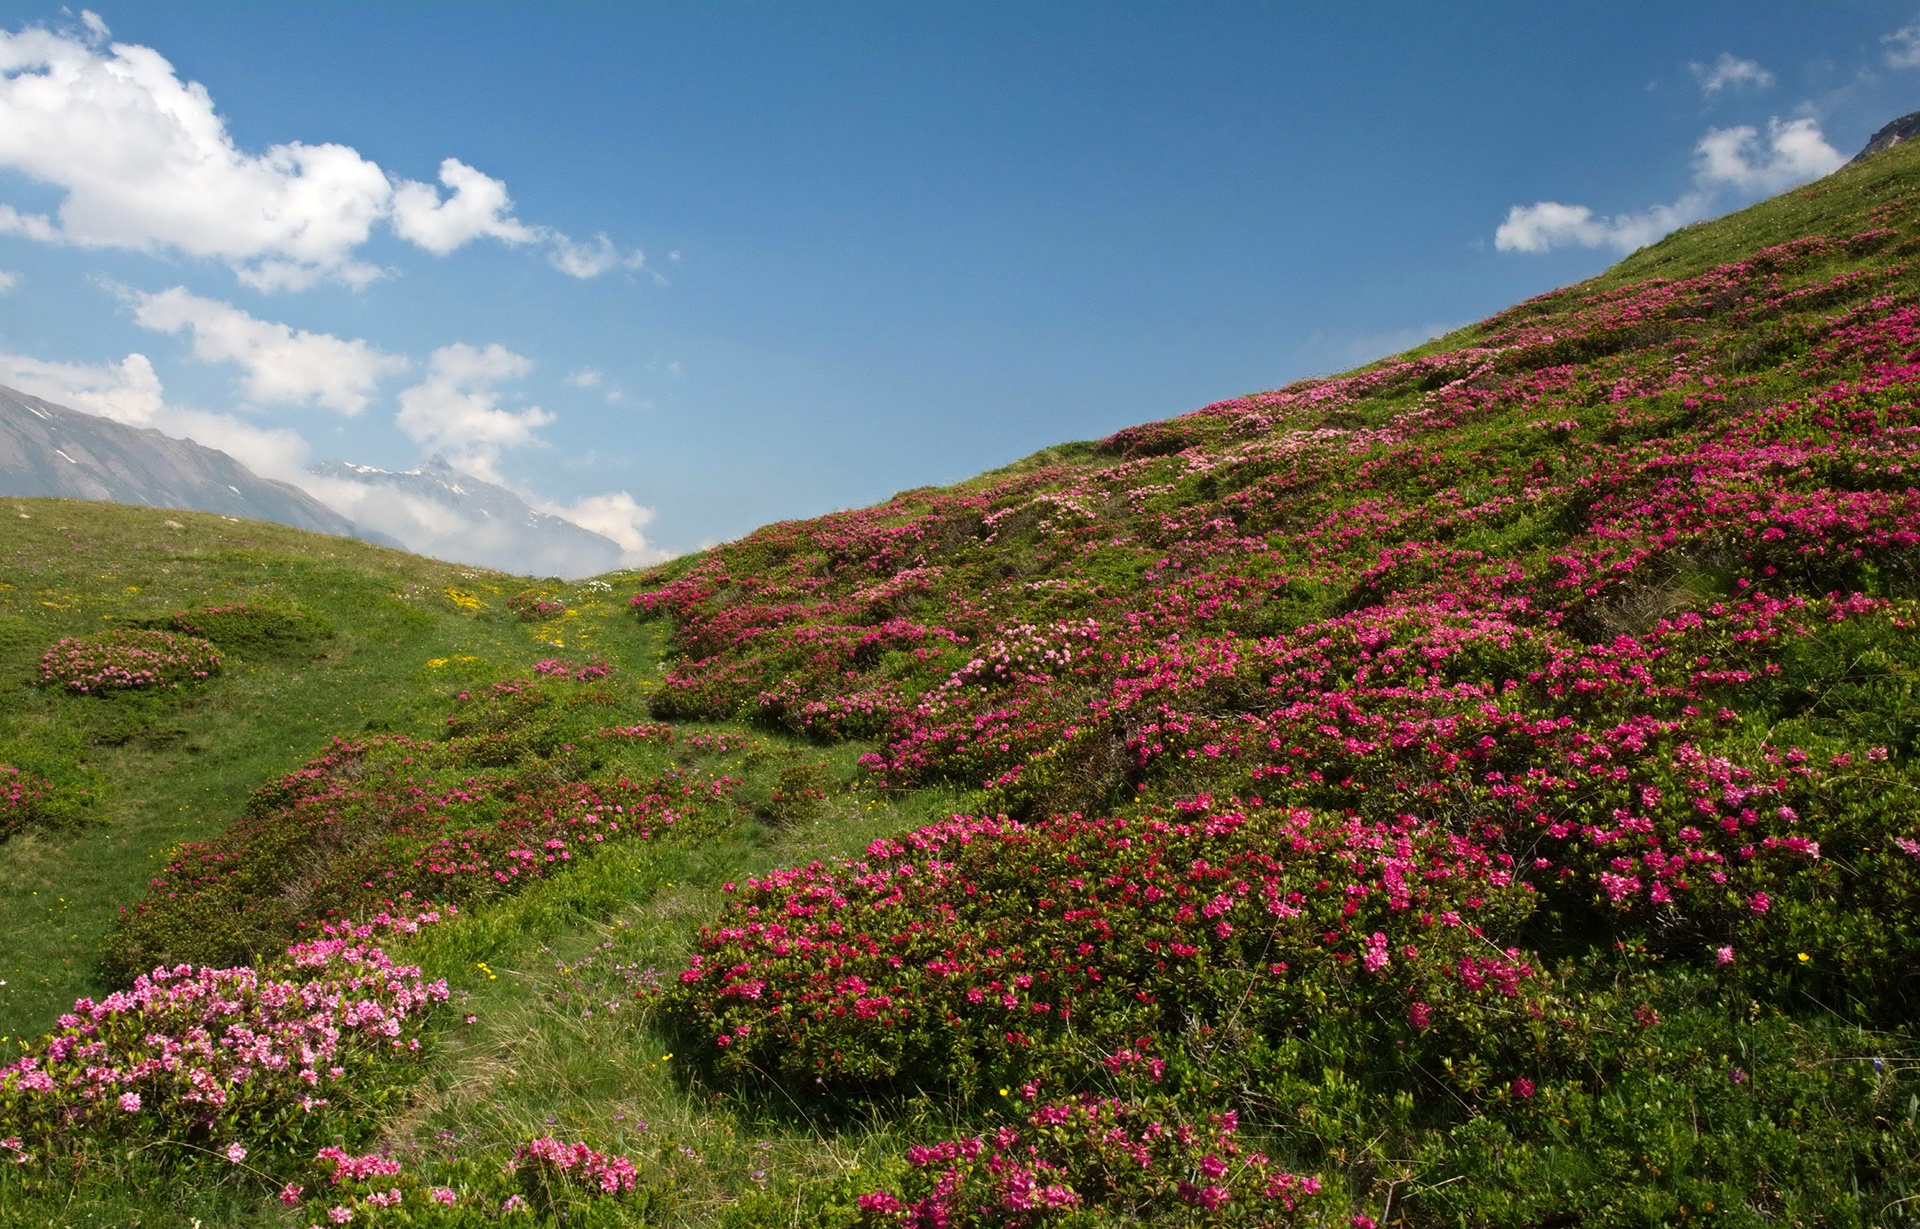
(477,206)
(590,377)
(1726,161)
(145,163)
(33,226)
(1729,71)
(585,260)
(130,392)
(1545,225)
(8,281)
(616,515)
(127,392)
(1903,46)
(1796,152)
(282,365)
(456,409)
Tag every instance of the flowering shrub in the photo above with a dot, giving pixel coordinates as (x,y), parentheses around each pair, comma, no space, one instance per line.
(23,798)
(127,659)
(544,1181)
(371,825)
(547,1161)
(987,951)
(556,668)
(221,1059)
(536,607)
(1131,1159)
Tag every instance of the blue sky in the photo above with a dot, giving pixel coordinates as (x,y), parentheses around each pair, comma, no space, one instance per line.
(849,249)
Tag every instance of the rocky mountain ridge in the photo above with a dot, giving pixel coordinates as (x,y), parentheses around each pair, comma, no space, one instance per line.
(48,449)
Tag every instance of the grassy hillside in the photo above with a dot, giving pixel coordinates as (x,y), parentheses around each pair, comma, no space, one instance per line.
(1476,790)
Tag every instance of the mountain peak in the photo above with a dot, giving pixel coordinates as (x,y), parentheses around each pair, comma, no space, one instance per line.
(1903,129)
(447,513)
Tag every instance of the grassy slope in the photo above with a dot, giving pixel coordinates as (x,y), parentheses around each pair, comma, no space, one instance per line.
(183,770)
(534,1061)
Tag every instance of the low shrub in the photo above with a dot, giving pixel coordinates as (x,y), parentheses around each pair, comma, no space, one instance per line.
(380,820)
(224,1061)
(800,797)
(24,798)
(1086,1160)
(544,1181)
(536,607)
(559,668)
(254,630)
(127,659)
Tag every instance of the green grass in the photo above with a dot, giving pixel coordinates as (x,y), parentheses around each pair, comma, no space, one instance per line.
(166,772)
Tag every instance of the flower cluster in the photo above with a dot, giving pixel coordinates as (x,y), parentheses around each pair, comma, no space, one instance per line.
(23,795)
(576,1164)
(1094,1152)
(535,607)
(557,668)
(989,951)
(272,1053)
(127,659)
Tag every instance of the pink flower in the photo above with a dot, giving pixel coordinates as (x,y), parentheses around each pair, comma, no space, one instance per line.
(130,1102)
(236,1152)
(1760,903)
(339,1215)
(442,1195)
(1420,1016)
(1523,1087)
(290,1194)
(1723,955)
(881,1202)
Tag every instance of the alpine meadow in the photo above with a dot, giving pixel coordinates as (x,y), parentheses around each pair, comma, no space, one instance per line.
(1481,789)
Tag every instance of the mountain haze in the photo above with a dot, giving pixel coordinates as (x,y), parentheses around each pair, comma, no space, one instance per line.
(446,513)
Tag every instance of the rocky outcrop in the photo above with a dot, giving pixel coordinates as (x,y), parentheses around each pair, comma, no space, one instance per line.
(1905,128)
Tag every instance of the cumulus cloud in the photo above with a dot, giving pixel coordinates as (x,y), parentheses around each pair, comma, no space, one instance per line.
(130,392)
(1903,46)
(281,365)
(144,162)
(1795,152)
(1730,72)
(616,515)
(8,281)
(1545,225)
(477,206)
(1727,161)
(456,410)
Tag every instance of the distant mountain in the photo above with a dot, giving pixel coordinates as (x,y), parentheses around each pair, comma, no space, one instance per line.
(1903,129)
(48,449)
(439,511)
